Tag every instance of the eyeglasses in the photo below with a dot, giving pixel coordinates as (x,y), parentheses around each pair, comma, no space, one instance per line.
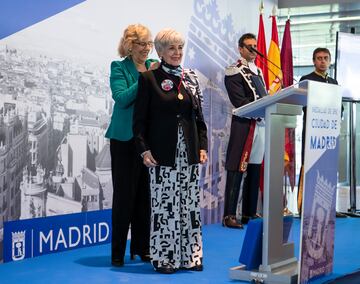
(143,44)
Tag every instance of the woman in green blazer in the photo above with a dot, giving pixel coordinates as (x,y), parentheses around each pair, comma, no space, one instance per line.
(131,203)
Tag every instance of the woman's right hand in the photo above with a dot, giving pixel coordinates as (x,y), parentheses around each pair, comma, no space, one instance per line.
(149,160)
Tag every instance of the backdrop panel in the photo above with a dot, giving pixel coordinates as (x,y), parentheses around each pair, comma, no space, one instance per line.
(55,101)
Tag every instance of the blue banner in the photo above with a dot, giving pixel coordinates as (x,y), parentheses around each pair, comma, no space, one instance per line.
(38,236)
(16,15)
(320,180)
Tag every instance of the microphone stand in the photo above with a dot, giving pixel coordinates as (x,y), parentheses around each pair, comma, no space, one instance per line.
(252,49)
(272,72)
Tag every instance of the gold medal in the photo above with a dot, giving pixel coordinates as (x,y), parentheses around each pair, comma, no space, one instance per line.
(180,96)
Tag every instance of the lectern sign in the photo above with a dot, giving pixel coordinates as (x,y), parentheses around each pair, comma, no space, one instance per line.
(320,180)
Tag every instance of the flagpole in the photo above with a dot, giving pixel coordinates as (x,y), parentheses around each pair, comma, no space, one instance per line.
(261,8)
(274,11)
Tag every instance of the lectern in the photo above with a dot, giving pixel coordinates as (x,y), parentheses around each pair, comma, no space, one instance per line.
(279,264)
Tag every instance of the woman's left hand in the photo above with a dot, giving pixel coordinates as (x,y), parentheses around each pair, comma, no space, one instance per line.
(203,156)
(154,65)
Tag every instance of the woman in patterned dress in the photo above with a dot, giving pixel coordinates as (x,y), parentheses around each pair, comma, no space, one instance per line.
(171,136)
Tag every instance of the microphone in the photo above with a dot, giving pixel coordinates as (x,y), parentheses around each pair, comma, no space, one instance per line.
(254,50)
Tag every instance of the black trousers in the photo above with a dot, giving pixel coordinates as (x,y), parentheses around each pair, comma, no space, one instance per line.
(249,194)
(131,199)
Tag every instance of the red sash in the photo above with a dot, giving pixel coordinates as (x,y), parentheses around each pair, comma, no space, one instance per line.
(245,156)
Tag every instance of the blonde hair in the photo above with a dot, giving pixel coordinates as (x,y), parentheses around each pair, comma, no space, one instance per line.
(131,33)
(166,37)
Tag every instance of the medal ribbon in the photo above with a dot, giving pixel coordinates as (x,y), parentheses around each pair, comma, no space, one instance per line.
(180,96)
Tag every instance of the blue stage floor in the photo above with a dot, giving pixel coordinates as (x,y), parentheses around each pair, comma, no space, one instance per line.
(221,251)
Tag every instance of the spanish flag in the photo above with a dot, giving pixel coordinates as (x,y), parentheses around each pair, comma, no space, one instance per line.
(274,66)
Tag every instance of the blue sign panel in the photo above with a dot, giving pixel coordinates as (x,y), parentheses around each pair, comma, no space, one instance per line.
(320,180)
(34,237)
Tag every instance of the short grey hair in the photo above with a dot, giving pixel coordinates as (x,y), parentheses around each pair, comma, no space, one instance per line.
(166,37)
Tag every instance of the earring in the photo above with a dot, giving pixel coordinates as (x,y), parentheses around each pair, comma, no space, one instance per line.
(129,50)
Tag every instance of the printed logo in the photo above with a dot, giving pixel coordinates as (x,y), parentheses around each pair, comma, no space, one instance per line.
(18,245)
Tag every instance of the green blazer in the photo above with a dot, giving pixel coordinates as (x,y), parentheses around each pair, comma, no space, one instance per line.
(124,85)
